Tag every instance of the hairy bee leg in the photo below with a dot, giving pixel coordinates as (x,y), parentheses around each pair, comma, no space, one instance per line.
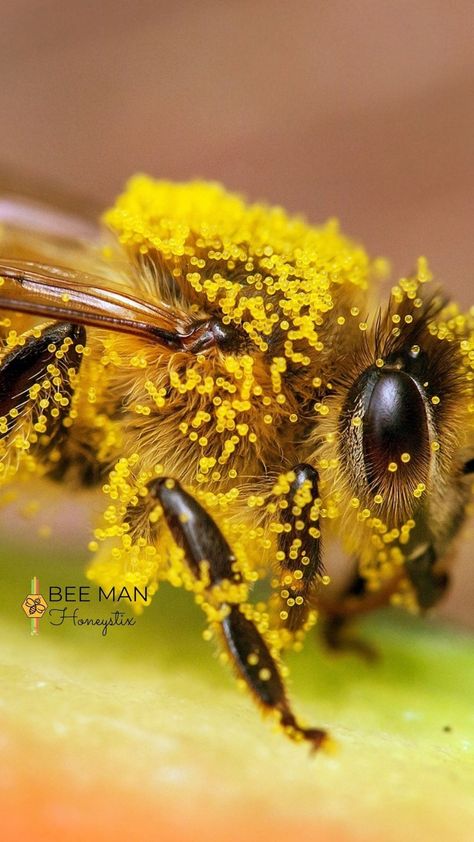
(355,600)
(300,542)
(195,532)
(202,541)
(335,626)
(430,584)
(21,367)
(258,668)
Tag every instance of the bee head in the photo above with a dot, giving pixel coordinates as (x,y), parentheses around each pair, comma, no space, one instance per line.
(404,421)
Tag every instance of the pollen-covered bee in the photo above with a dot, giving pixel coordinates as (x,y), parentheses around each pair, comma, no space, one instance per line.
(212,368)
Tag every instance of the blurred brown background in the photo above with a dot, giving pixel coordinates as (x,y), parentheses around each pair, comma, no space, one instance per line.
(362,110)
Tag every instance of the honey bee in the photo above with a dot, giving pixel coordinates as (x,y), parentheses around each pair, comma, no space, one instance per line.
(35,606)
(224,373)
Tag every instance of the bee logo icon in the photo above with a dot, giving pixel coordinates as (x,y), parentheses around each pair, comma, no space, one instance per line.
(34,606)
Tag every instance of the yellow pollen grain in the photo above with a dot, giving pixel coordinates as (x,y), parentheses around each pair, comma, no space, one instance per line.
(418,492)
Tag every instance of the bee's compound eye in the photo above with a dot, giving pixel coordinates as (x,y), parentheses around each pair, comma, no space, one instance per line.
(395,427)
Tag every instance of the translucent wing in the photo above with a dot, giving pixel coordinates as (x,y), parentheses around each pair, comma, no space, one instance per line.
(32,206)
(51,266)
(58,230)
(70,295)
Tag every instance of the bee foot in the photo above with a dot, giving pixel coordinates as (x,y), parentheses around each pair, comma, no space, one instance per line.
(315,736)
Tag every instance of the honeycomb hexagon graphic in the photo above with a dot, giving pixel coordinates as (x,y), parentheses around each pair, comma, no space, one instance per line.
(34,606)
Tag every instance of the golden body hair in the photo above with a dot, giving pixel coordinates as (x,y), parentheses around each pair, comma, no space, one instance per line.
(241,354)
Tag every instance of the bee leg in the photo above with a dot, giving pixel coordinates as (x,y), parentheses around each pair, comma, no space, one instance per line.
(23,366)
(300,544)
(335,625)
(429,584)
(202,541)
(257,666)
(302,565)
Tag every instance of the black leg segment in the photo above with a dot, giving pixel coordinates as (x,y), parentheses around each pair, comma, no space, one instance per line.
(195,531)
(430,585)
(254,662)
(300,544)
(336,625)
(26,364)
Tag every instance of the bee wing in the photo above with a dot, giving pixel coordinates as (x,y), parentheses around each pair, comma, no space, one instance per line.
(35,207)
(72,295)
(39,243)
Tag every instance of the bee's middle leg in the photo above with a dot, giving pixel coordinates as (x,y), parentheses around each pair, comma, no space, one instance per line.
(198,535)
(301,567)
(429,586)
(338,618)
(429,583)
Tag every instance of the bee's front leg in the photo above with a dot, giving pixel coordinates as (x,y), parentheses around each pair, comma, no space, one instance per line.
(202,541)
(429,584)
(301,566)
(299,546)
(424,566)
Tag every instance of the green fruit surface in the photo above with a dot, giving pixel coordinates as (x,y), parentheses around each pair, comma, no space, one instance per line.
(142,734)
